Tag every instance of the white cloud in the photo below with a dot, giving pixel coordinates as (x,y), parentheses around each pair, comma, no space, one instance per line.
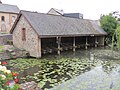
(90,8)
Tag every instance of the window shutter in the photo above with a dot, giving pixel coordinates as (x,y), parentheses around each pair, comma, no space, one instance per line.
(23,34)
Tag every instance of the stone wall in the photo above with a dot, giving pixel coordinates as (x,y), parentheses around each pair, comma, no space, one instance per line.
(32,44)
(5,39)
(10,52)
(8,23)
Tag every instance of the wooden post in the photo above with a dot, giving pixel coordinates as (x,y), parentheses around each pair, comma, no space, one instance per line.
(103,41)
(73,44)
(58,42)
(96,42)
(86,43)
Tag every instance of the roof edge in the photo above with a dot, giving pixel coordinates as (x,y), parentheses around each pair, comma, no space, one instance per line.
(15,23)
(9,12)
(72,35)
(18,18)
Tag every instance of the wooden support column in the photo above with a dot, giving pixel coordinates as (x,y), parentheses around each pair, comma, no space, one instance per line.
(58,42)
(103,41)
(86,46)
(96,42)
(73,44)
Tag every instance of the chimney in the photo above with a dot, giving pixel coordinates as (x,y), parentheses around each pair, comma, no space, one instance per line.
(0,2)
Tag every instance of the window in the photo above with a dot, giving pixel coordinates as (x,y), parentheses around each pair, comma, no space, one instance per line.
(3,18)
(3,28)
(23,34)
(13,19)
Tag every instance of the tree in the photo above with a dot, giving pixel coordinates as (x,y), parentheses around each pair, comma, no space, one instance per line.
(109,24)
(116,36)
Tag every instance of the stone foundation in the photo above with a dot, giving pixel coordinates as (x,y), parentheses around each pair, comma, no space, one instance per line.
(10,52)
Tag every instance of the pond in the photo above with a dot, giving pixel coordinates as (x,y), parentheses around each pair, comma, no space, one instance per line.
(93,69)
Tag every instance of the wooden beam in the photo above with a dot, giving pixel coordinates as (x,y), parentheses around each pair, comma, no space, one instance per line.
(96,42)
(58,42)
(103,41)
(73,44)
(86,46)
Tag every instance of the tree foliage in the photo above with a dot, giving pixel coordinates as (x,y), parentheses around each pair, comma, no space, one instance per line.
(109,24)
(118,19)
(117,37)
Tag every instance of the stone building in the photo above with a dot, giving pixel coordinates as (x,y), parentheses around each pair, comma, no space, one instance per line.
(54,11)
(8,14)
(40,33)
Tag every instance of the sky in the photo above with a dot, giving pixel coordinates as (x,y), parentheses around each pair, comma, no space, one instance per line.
(91,9)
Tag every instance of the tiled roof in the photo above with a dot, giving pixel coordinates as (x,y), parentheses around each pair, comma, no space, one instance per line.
(9,8)
(50,25)
(96,25)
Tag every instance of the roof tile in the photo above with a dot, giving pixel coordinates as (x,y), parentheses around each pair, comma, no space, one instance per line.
(48,25)
(9,8)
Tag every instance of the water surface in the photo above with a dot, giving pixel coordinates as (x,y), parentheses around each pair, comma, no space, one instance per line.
(94,69)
